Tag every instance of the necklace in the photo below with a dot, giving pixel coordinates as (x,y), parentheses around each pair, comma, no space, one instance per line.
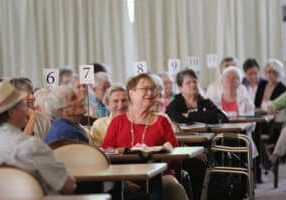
(133,134)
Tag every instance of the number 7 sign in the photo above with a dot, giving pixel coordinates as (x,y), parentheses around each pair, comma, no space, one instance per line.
(86,74)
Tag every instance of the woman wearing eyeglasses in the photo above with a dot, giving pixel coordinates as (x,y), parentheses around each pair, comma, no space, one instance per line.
(272,87)
(140,126)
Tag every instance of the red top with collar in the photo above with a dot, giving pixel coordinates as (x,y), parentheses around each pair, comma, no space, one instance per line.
(119,133)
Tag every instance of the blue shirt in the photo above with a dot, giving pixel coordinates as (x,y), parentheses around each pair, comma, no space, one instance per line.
(101,110)
(62,128)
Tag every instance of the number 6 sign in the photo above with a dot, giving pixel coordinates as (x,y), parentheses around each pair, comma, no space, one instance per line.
(51,77)
(86,74)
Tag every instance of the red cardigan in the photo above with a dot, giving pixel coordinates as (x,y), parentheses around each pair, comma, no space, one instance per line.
(119,133)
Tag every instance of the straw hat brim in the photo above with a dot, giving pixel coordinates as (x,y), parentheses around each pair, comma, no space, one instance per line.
(12,100)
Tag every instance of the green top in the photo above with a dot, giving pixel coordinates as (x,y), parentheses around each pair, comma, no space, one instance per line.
(279,103)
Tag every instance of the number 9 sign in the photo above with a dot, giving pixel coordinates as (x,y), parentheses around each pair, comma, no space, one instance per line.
(174,66)
(51,77)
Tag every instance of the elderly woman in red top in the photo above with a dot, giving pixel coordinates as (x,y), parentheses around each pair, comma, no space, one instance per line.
(139,126)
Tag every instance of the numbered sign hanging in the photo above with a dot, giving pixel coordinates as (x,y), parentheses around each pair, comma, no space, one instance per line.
(212,60)
(140,67)
(194,63)
(86,74)
(50,77)
(174,66)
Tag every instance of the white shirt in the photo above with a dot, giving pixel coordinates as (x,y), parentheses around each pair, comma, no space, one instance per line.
(30,153)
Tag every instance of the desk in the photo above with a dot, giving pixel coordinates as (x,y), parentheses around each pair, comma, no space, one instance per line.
(195,138)
(119,172)
(149,173)
(254,118)
(78,197)
(216,128)
(178,153)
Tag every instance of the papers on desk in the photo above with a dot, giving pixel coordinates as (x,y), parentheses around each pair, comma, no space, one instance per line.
(192,126)
(167,147)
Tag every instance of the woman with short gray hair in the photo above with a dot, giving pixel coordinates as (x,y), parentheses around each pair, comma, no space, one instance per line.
(116,101)
(272,87)
(66,108)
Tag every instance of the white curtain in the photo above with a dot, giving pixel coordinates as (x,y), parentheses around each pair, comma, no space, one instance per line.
(57,33)
(177,29)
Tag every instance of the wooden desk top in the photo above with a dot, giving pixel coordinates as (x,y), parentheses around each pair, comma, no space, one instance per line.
(119,172)
(78,197)
(216,128)
(178,153)
(254,118)
(195,138)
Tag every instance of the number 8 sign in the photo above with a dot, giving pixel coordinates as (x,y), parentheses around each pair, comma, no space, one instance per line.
(51,77)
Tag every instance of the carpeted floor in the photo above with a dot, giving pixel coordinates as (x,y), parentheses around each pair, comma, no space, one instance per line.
(266,190)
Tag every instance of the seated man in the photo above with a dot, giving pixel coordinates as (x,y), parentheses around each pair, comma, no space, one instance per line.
(24,151)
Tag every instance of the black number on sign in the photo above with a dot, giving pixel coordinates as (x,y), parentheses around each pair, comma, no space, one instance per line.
(50,78)
(174,64)
(140,68)
(87,71)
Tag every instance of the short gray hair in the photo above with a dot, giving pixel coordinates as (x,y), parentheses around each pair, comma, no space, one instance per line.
(158,83)
(110,91)
(101,76)
(277,66)
(57,99)
(232,69)
(40,96)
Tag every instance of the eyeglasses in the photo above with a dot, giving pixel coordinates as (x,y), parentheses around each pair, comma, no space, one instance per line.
(146,89)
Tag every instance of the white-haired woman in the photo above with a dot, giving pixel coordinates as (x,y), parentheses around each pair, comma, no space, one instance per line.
(116,101)
(231,101)
(66,108)
(272,87)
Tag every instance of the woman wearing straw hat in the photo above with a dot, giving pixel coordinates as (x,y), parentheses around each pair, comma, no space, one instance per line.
(24,151)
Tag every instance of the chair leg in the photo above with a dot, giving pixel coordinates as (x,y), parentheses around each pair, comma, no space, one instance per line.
(250,187)
(276,173)
(204,194)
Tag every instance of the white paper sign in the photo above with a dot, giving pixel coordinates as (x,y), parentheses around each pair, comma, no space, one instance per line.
(86,74)
(283,28)
(174,66)
(140,67)
(194,63)
(51,77)
(212,60)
